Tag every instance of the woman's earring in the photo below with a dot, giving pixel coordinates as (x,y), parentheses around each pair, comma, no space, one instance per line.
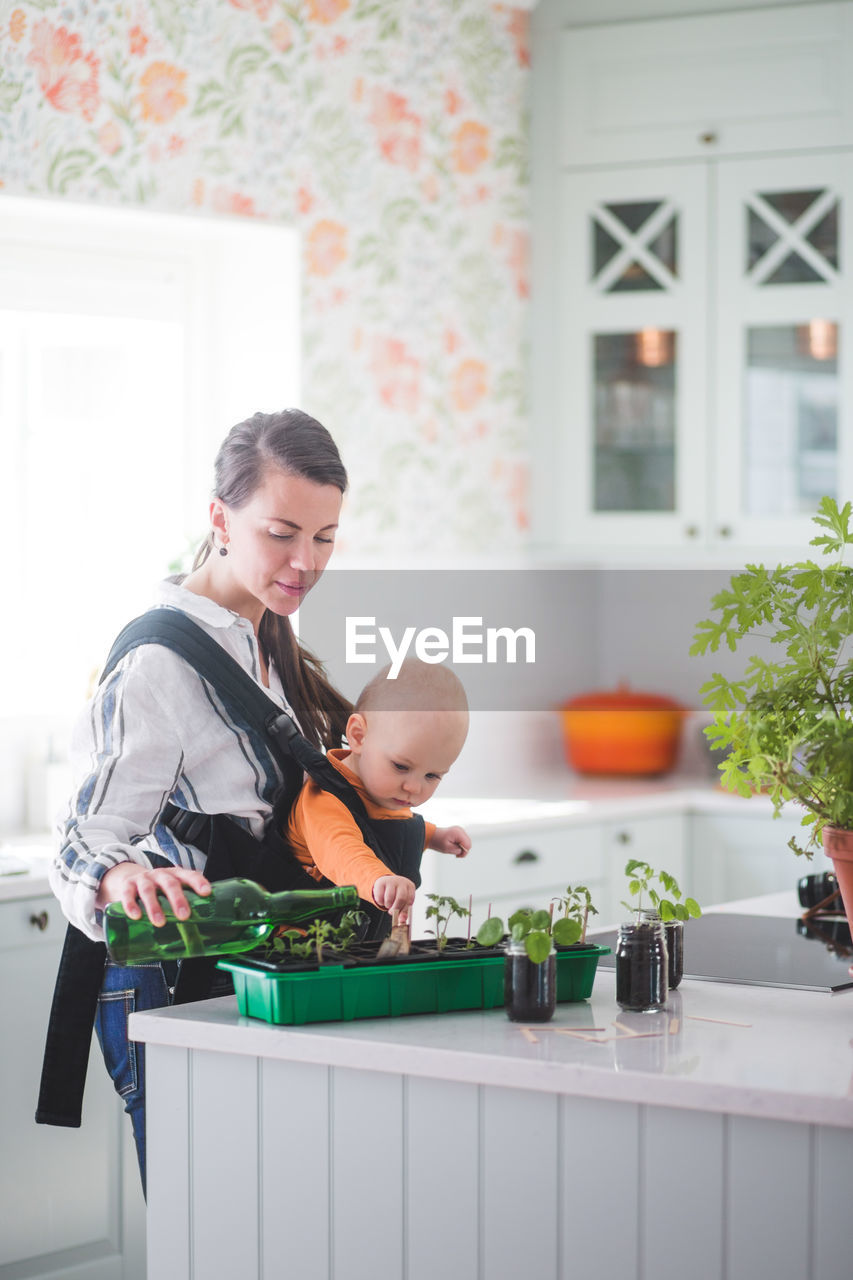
(223,551)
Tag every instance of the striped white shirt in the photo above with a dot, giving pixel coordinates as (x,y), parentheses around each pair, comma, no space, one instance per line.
(153,732)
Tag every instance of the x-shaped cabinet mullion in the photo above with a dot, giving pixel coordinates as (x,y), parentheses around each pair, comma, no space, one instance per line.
(635,247)
(792,237)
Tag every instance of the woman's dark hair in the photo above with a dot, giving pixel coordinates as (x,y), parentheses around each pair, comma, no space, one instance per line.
(296,443)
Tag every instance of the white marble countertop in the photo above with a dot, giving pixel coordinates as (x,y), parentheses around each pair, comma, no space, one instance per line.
(576,799)
(23,867)
(755,1051)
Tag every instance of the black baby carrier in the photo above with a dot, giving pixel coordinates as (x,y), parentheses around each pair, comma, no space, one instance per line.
(231,851)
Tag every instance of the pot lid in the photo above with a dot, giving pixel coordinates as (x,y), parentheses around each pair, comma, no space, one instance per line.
(622,698)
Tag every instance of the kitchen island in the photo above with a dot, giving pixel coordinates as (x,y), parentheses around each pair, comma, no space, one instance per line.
(715,1138)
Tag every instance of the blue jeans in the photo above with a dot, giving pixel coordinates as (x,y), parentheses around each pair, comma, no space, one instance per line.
(133,989)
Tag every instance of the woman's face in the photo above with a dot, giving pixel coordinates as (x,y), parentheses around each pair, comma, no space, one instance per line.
(278,543)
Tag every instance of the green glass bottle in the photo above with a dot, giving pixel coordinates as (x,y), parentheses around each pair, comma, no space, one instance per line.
(235,916)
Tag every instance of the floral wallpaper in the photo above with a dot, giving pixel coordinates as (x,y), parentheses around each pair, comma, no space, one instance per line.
(393,134)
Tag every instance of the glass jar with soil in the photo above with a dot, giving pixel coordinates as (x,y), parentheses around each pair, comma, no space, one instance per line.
(530,988)
(641,966)
(674,933)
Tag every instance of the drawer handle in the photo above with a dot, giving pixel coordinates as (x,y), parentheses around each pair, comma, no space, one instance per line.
(624,837)
(526,855)
(40,921)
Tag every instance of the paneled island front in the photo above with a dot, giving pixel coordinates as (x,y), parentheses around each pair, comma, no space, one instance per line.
(713,1139)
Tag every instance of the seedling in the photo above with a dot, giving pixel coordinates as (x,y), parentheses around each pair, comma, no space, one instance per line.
(538,928)
(443,910)
(320,934)
(640,881)
(577,907)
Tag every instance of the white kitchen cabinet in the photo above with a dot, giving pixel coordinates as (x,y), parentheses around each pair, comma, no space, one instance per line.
(725,84)
(705,397)
(515,869)
(72,1203)
(527,869)
(661,840)
(733,857)
(692,386)
(783,415)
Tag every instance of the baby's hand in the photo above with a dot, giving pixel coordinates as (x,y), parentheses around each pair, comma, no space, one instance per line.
(394,893)
(453,840)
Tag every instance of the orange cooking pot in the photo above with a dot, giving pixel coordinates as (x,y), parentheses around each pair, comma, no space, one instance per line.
(621,731)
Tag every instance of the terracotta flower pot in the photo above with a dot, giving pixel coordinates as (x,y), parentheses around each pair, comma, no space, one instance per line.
(838,845)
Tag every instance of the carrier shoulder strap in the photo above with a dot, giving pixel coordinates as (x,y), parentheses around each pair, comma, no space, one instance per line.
(174,630)
(243,698)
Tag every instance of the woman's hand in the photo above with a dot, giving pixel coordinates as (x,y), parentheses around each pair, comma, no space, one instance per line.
(394,893)
(137,887)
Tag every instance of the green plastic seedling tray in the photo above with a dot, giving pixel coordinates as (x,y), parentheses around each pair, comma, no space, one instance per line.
(338,993)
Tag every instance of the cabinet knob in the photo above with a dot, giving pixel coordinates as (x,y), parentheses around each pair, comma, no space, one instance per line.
(692,531)
(39,921)
(709,138)
(526,855)
(725,531)
(623,837)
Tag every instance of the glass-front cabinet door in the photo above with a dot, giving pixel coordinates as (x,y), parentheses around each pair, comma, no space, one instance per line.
(783,414)
(631,343)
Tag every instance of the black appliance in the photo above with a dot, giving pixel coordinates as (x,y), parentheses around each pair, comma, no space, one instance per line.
(763,951)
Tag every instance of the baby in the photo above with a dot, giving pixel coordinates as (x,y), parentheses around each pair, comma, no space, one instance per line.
(403,737)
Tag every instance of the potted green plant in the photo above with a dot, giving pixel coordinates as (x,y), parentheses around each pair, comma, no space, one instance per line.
(327,972)
(548,958)
(788,723)
(670,911)
(442,909)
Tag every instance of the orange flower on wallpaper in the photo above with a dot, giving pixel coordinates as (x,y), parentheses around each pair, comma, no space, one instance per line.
(470,147)
(325,247)
(109,137)
(162,95)
(468,384)
(519,30)
(519,261)
(225,201)
(261,7)
(397,128)
(397,374)
(67,77)
(17,25)
(517,493)
(326,11)
(282,36)
(137,40)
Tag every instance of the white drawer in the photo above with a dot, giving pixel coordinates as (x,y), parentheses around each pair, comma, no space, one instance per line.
(519,862)
(31,922)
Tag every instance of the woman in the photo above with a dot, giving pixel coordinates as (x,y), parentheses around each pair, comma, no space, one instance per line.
(156,734)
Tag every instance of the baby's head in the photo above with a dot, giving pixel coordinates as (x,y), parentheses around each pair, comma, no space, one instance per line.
(406,733)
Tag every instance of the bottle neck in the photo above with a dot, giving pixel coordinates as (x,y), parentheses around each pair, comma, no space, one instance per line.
(307,900)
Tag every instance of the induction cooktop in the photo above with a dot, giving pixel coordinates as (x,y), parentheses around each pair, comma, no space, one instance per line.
(763,951)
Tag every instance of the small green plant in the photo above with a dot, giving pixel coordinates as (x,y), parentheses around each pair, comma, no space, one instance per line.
(788,724)
(538,928)
(640,879)
(576,905)
(442,911)
(319,935)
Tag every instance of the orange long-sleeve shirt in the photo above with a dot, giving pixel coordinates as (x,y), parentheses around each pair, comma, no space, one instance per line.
(326,840)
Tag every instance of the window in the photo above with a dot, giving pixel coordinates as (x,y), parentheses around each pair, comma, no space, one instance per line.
(129,343)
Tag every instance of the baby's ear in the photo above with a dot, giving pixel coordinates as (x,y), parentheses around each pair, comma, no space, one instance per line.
(355,731)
